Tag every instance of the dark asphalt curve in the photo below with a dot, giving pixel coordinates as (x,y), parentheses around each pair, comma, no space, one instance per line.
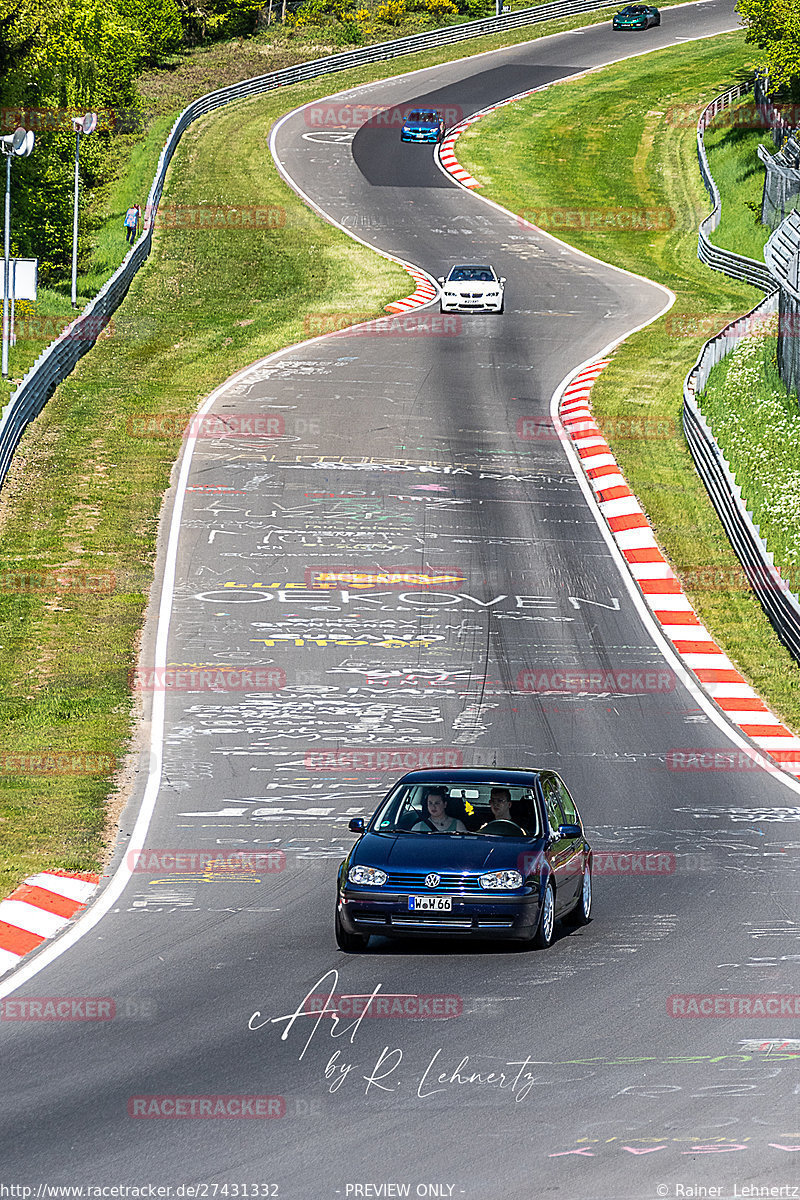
(557,1072)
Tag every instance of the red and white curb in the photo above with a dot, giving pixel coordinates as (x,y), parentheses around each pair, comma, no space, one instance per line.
(447,155)
(426,291)
(661,588)
(446,152)
(38,909)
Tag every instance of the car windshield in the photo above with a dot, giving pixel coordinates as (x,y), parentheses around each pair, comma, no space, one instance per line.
(483,809)
(471,275)
(423,118)
(634,10)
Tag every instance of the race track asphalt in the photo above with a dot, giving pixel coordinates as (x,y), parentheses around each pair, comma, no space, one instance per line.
(402,452)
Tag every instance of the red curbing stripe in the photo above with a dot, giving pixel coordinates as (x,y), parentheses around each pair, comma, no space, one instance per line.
(687,647)
(719,675)
(764,731)
(60,906)
(85,877)
(613,493)
(741,704)
(35,893)
(18,941)
(680,616)
(605,469)
(658,587)
(748,712)
(628,521)
(644,554)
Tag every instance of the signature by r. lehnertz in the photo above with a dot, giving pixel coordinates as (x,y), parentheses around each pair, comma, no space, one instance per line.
(385,1074)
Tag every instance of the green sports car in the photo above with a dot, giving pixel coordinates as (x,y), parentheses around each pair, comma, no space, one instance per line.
(636,16)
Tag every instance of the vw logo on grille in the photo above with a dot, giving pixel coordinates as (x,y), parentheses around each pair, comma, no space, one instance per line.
(432,880)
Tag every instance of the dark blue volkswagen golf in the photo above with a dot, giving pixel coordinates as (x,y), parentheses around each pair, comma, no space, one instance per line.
(469,853)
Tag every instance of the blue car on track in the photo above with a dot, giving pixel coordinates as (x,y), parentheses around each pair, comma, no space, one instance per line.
(423,125)
(477,853)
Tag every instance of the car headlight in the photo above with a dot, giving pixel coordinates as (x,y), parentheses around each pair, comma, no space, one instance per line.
(494,881)
(371,876)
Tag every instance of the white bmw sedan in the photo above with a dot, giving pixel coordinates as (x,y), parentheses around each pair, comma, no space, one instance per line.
(471,289)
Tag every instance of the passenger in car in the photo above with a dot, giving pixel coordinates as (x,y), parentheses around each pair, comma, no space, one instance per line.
(437,820)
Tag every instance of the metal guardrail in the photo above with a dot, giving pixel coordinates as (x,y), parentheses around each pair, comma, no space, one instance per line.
(748,270)
(778,601)
(781,605)
(771,114)
(782,255)
(61,356)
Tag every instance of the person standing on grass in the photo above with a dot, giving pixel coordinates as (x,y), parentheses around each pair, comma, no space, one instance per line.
(131,223)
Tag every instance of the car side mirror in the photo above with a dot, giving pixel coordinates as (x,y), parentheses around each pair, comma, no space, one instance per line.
(356,825)
(441,280)
(569,831)
(502,278)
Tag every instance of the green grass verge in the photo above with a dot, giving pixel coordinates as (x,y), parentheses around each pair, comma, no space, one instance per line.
(732,156)
(83,497)
(757,421)
(626,151)
(167,90)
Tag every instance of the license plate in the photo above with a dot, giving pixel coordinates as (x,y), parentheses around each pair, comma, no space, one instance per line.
(430,903)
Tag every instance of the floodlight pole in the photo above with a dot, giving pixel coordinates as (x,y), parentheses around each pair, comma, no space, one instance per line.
(19,142)
(75,221)
(81,125)
(6,256)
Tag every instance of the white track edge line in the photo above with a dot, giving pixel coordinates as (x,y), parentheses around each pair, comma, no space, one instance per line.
(91,915)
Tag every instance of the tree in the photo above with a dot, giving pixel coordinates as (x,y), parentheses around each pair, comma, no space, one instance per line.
(774,25)
(18,33)
(159,22)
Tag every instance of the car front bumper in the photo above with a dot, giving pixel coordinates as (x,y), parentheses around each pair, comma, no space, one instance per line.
(432,136)
(460,306)
(388,915)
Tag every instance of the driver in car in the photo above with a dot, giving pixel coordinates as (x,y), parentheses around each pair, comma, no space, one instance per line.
(500,804)
(437,820)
